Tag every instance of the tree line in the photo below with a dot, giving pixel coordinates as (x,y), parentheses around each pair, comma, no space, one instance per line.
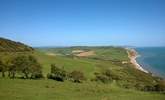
(27,67)
(24,66)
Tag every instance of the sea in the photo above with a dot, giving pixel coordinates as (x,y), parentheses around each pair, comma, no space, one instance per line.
(152,59)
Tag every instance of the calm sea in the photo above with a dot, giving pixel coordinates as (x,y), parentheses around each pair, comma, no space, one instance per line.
(152,59)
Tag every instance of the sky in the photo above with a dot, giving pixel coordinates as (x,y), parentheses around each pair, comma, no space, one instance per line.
(84,22)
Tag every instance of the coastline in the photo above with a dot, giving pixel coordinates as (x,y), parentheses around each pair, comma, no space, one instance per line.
(132,54)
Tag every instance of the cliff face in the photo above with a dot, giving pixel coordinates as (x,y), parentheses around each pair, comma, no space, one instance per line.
(12,46)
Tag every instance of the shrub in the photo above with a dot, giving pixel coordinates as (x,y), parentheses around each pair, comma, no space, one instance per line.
(37,76)
(102,78)
(111,75)
(149,88)
(58,74)
(160,86)
(76,76)
(106,76)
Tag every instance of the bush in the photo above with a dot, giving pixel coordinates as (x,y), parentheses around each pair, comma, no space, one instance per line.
(76,76)
(102,78)
(106,76)
(149,88)
(111,75)
(58,74)
(160,86)
(37,76)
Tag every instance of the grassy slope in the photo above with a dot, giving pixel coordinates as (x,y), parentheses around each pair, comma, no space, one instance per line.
(48,89)
(68,63)
(90,65)
(52,90)
(87,65)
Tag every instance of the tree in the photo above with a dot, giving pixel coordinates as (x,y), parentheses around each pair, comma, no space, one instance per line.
(58,74)
(21,64)
(35,68)
(36,71)
(27,65)
(77,76)
(12,70)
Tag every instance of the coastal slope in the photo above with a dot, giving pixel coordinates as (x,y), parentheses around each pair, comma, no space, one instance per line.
(108,73)
(132,54)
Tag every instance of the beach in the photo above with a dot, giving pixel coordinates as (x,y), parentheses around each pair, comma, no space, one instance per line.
(132,54)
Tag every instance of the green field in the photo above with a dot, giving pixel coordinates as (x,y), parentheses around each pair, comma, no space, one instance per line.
(105,58)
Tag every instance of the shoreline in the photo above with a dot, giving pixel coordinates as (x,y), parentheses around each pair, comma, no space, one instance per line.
(132,54)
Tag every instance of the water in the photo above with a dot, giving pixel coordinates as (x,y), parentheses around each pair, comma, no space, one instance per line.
(152,59)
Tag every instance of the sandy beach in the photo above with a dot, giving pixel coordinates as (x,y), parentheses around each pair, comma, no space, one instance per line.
(132,54)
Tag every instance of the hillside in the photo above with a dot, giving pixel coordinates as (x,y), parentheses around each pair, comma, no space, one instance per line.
(122,82)
(113,59)
(12,46)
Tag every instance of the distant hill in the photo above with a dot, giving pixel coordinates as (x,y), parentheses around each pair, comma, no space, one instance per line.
(7,45)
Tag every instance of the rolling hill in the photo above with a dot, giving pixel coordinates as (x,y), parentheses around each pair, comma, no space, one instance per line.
(12,46)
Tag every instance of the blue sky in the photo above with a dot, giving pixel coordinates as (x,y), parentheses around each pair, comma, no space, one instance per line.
(83,22)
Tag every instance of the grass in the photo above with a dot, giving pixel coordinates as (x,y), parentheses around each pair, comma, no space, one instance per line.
(18,89)
(89,65)
(69,64)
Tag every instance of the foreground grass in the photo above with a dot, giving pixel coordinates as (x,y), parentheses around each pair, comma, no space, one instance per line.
(51,90)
